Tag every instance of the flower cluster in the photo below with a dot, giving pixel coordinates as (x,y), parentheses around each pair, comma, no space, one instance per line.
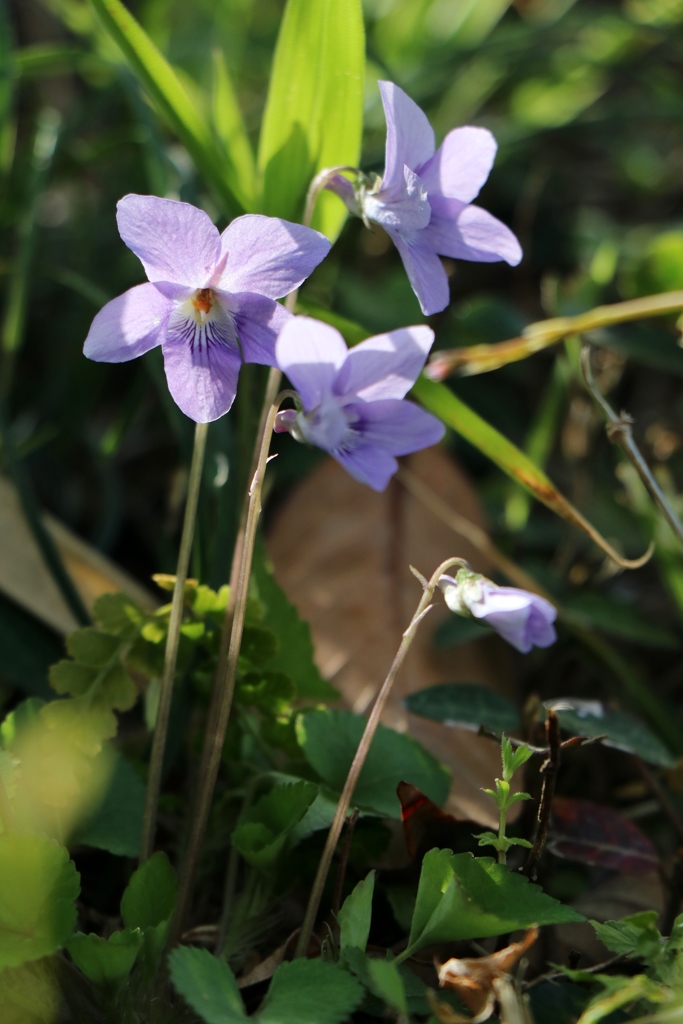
(525,620)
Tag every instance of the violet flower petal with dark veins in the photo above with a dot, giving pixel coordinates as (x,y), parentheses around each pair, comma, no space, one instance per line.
(211,298)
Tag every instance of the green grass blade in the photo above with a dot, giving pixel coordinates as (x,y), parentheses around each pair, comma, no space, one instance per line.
(314,112)
(169,96)
(240,165)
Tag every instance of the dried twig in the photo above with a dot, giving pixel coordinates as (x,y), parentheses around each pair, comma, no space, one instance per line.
(549,770)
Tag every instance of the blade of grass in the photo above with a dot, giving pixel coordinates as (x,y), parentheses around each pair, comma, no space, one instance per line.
(240,164)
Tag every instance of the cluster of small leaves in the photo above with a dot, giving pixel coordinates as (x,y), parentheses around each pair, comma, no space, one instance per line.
(512,760)
(636,938)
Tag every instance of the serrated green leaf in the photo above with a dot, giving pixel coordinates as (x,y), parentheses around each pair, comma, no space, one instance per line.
(240,165)
(262,831)
(118,614)
(622,730)
(294,658)
(116,824)
(168,95)
(38,890)
(106,962)
(206,601)
(464,897)
(72,678)
(272,693)
(92,647)
(80,723)
(313,115)
(355,915)
(467,705)
(636,935)
(310,992)
(207,985)
(329,740)
(151,894)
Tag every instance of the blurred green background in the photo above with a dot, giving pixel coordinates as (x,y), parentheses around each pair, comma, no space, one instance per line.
(586,101)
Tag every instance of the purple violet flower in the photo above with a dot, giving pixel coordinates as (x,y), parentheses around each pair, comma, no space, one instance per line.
(352,399)
(424,199)
(525,620)
(210,300)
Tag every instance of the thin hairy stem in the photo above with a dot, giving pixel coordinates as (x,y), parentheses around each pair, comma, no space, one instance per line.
(215,738)
(549,770)
(619,432)
(359,759)
(172,640)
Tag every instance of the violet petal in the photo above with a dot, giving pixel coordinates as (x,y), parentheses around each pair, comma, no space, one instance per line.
(202,378)
(258,321)
(461,164)
(424,269)
(267,255)
(310,353)
(385,366)
(176,242)
(469,233)
(372,466)
(398,427)
(128,326)
(410,137)
(406,208)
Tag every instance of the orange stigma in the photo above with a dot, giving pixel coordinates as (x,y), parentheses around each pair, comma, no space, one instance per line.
(203,300)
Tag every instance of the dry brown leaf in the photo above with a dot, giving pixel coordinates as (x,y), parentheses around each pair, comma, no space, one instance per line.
(342,553)
(476,980)
(25,578)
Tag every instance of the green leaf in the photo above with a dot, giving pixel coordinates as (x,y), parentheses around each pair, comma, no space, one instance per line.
(622,730)
(207,985)
(329,740)
(24,718)
(513,758)
(239,165)
(106,962)
(39,888)
(467,705)
(118,614)
(263,829)
(151,894)
(314,111)
(272,693)
(464,897)
(356,914)
(636,935)
(310,992)
(387,983)
(92,647)
(116,824)
(295,655)
(168,95)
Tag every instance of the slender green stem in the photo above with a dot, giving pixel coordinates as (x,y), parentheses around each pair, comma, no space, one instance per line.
(215,737)
(360,756)
(619,432)
(172,641)
(502,815)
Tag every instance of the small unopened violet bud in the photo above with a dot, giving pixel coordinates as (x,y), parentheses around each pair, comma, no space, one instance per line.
(524,619)
(284,421)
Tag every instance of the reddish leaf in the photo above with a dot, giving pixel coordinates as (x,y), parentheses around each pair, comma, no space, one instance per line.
(592,834)
(426,826)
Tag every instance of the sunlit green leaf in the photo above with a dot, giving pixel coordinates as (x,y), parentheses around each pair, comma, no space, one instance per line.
(39,886)
(150,897)
(240,166)
(314,110)
(310,992)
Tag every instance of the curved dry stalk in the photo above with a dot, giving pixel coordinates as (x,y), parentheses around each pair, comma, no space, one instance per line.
(619,432)
(361,753)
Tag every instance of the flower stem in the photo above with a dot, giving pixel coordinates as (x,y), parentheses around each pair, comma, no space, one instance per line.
(360,756)
(215,737)
(172,641)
